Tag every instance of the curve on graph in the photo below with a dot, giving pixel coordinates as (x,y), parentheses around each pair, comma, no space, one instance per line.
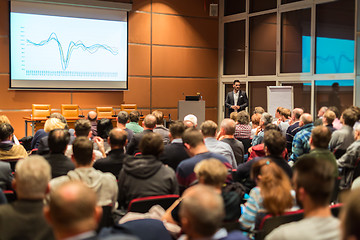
(65,59)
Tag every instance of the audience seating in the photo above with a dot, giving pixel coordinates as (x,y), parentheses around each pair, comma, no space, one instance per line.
(12,162)
(41,110)
(335,209)
(128,107)
(106,218)
(10,195)
(105,112)
(70,110)
(142,205)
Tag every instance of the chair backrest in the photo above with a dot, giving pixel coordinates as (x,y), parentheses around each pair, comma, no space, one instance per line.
(10,195)
(104,112)
(12,162)
(41,110)
(335,209)
(106,218)
(269,222)
(128,107)
(142,205)
(70,110)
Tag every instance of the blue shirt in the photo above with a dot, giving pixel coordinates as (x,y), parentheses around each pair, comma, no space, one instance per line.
(301,143)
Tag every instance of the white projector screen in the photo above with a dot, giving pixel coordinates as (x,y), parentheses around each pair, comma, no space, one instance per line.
(56,46)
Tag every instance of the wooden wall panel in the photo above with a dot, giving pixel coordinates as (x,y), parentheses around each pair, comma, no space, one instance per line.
(139,60)
(183,7)
(199,32)
(17,121)
(141,5)
(98,99)
(139,92)
(139,27)
(166,111)
(184,62)
(168,91)
(4,51)
(211,114)
(4,17)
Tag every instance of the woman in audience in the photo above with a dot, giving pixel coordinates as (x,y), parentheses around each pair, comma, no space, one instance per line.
(243,128)
(271,196)
(255,121)
(233,116)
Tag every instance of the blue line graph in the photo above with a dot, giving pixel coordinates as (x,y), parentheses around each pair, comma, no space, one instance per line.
(65,58)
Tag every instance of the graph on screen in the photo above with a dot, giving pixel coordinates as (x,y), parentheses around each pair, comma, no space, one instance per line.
(67,48)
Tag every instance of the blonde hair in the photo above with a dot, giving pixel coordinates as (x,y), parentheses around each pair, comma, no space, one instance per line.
(233,116)
(211,171)
(53,123)
(4,119)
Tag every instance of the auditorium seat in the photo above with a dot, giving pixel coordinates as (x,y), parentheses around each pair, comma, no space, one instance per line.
(105,112)
(70,110)
(41,110)
(143,205)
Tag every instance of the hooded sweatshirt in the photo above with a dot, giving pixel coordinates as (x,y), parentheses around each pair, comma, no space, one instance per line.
(143,176)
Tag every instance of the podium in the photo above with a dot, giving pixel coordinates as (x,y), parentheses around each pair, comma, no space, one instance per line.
(192,107)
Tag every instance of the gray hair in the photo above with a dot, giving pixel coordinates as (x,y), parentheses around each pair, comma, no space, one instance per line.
(123,117)
(228,125)
(266,118)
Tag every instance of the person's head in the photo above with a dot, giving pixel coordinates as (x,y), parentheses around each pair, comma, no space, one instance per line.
(92,116)
(274,184)
(236,85)
(32,177)
(208,128)
(296,114)
(274,142)
(255,119)
(134,116)
(117,138)
(259,110)
(285,114)
(328,117)
(227,126)
(278,111)
(176,129)
(321,111)
(4,119)
(6,131)
(151,144)
(233,116)
(58,140)
(82,151)
(123,117)
(305,119)
(201,211)
(320,137)
(348,117)
(211,172)
(149,121)
(60,117)
(313,180)
(335,110)
(72,209)
(243,117)
(192,138)
(192,119)
(350,217)
(265,119)
(53,123)
(104,126)
(82,128)
(335,86)
(159,117)
(357,111)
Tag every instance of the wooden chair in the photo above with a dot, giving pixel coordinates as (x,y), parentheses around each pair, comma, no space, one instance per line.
(105,112)
(143,205)
(41,110)
(70,110)
(128,107)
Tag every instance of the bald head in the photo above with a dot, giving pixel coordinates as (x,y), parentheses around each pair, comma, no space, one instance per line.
(150,121)
(296,113)
(92,116)
(228,126)
(305,118)
(117,138)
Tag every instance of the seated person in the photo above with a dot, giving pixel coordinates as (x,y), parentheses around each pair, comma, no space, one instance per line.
(8,150)
(104,127)
(50,124)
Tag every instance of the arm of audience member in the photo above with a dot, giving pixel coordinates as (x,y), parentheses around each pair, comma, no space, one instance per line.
(100,142)
(42,146)
(243,170)
(350,157)
(334,141)
(247,219)
(175,185)
(297,149)
(9,178)
(167,217)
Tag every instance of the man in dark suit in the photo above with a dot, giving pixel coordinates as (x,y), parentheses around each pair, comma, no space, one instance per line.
(149,124)
(58,140)
(236,100)
(175,152)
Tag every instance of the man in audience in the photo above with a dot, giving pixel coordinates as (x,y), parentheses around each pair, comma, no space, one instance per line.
(190,121)
(92,117)
(194,143)
(320,116)
(24,219)
(104,184)
(160,129)
(6,175)
(73,212)
(349,161)
(208,130)
(122,120)
(58,140)
(265,119)
(344,137)
(351,217)
(202,213)
(319,142)
(226,134)
(285,121)
(149,124)
(293,128)
(314,182)
(175,152)
(8,150)
(114,161)
(134,122)
(300,144)
(328,119)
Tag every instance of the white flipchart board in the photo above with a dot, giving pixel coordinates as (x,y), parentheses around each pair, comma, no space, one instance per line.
(279,96)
